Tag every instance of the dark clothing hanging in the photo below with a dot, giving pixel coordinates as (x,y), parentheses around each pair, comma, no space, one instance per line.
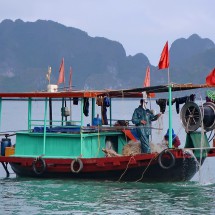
(162,103)
(86,107)
(105,103)
(183,100)
(192,97)
(75,101)
(104,115)
(179,101)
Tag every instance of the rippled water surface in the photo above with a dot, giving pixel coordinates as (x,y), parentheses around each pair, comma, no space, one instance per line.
(34,196)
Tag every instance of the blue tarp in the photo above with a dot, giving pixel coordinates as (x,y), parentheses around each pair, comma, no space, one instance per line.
(56,129)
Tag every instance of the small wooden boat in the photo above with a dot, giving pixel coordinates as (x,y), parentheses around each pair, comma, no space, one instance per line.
(51,148)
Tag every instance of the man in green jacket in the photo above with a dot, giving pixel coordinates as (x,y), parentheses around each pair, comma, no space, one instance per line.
(142,118)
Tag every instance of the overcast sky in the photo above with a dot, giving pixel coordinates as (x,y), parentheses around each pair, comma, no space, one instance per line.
(139,25)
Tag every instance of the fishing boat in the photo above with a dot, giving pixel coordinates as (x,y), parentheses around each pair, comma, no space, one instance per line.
(64,148)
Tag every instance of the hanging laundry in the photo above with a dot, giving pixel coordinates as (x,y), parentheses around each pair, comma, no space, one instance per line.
(179,101)
(162,104)
(192,97)
(75,101)
(183,100)
(106,101)
(104,115)
(99,101)
(86,107)
(105,104)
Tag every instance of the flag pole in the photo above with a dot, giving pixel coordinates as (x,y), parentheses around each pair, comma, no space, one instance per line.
(170,109)
(170,115)
(64,81)
(164,64)
(168,76)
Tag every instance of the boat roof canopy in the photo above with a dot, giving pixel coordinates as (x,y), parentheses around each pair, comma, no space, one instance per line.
(127,93)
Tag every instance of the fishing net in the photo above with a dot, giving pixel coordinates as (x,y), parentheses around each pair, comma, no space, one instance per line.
(132,148)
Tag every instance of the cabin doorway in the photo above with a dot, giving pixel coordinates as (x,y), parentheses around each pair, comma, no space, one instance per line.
(111,142)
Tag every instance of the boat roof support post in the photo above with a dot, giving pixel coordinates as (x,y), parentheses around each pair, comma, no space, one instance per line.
(29,113)
(110,113)
(62,106)
(0,111)
(170,116)
(82,114)
(93,110)
(82,118)
(44,132)
(70,107)
(50,112)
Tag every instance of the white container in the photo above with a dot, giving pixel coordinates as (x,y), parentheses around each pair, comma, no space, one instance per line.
(52,88)
(65,111)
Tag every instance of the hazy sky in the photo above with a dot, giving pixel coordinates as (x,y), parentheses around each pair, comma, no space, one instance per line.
(139,25)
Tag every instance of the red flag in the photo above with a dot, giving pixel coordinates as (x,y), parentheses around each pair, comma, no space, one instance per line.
(61,78)
(147,78)
(164,59)
(147,82)
(210,79)
(70,78)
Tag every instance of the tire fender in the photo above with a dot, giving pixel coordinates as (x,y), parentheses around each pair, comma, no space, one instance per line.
(160,158)
(39,166)
(77,162)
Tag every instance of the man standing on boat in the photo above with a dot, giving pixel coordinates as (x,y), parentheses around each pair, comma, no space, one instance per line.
(142,118)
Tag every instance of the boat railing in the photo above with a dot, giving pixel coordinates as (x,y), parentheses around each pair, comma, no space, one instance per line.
(75,127)
(53,123)
(37,126)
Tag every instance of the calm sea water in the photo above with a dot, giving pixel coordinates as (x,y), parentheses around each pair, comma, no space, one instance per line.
(25,196)
(54,196)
